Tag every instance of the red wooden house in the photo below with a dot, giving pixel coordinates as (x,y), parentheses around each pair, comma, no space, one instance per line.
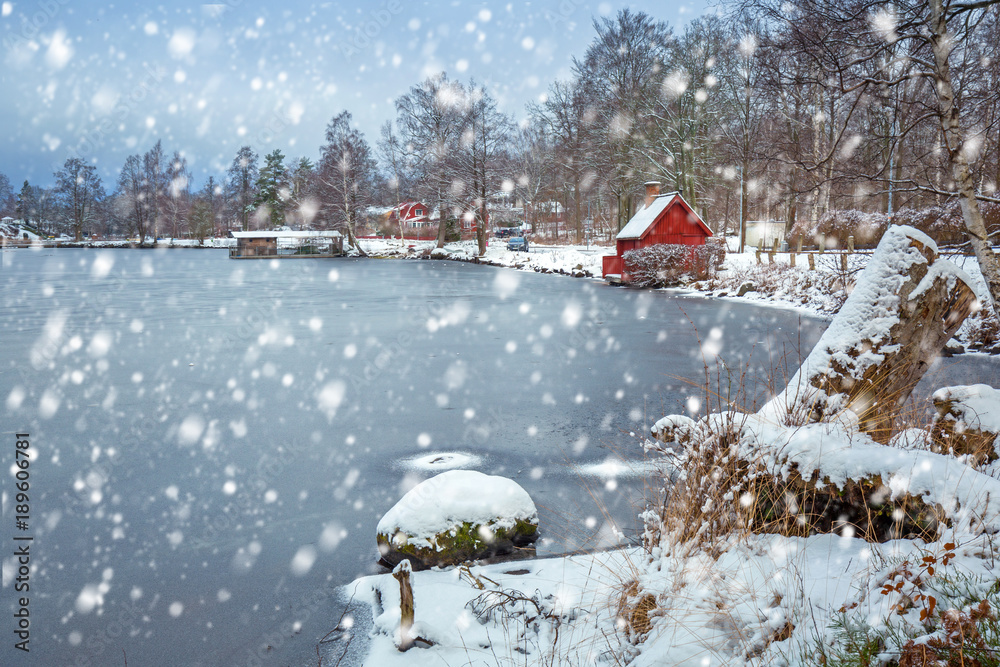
(662,219)
(411,214)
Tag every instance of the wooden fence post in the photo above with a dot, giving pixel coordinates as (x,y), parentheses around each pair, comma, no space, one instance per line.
(850,243)
(798,245)
(812,262)
(791,260)
(843,261)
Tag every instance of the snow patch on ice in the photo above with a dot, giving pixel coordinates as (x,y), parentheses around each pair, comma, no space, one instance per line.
(441,461)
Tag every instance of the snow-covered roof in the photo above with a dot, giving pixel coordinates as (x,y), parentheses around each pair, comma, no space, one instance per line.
(647,215)
(641,221)
(286,235)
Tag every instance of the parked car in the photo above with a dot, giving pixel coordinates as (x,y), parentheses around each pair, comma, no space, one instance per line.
(518,243)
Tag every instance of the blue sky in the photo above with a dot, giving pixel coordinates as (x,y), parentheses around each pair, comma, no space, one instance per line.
(102,80)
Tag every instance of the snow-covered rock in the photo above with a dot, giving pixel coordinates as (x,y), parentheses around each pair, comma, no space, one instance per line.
(457,516)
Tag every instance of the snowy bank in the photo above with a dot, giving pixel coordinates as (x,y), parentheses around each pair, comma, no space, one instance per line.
(578,261)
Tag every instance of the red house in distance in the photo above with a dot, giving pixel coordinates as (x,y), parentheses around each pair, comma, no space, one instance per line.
(663,218)
(411,214)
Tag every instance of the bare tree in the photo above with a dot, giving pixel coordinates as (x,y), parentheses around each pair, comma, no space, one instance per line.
(133,203)
(394,157)
(177,201)
(78,189)
(532,165)
(484,145)
(346,173)
(618,75)
(566,118)
(155,185)
(429,118)
(861,47)
(7,200)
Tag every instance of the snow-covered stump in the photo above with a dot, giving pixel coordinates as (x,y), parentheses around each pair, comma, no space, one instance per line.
(406,612)
(967,422)
(457,516)
(906,305)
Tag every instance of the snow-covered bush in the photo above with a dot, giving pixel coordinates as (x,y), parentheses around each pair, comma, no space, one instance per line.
(667,264)
(938,615)
(835,226)
(825,291)
(942,223)
(981,332)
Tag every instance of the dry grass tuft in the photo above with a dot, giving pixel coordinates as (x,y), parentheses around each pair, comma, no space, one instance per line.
(635,611)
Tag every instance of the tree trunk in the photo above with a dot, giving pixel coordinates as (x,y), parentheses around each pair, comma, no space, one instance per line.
(442,221)
(576,210)
(744,203)
(975,227)
(349,216)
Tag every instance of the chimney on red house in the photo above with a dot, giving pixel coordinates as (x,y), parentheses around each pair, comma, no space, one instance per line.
(652,191)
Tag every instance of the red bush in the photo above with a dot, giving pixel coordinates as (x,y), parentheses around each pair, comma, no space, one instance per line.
(667,264)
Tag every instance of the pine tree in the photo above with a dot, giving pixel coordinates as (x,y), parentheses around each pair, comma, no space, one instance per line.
(273,189)
(241,186)
(26,204)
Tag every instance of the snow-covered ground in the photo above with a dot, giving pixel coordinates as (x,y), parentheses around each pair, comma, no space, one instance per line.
(585,261)
(765,600)
(16,232)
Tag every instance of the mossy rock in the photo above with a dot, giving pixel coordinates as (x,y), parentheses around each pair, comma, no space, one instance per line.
(465,542)
(454,517)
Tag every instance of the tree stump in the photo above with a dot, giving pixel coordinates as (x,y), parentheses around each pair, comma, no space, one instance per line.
(906,305)
(402,575)
(966,424)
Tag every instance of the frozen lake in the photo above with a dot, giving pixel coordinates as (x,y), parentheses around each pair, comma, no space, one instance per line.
(216,440)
